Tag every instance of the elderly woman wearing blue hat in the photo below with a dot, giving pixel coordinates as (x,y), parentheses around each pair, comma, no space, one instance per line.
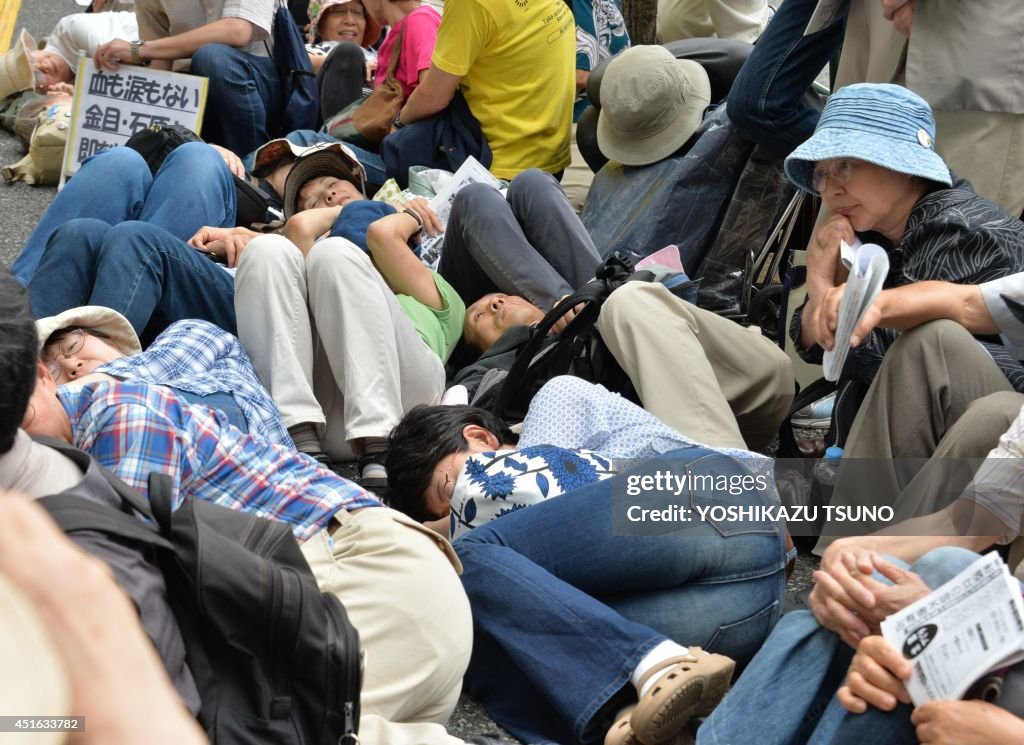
(872,160)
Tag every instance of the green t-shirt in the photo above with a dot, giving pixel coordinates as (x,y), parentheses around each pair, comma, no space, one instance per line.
(439,329)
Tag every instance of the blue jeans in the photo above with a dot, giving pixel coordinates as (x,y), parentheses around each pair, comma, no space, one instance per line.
(140,270)
(193,188)
(787,694)
(564,609)
(766,102)
(243,97)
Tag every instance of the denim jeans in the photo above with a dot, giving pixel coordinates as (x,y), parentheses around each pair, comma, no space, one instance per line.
(244,95)
(564,609)
(531,244)
(787,694)
(766,102)
(193,188)
(139,269)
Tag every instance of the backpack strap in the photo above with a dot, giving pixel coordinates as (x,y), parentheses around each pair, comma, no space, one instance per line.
(73,513)
(161,487)
(612,274)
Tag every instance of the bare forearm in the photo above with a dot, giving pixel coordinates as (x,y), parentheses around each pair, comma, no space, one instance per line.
(420,105)
(304,228)
(388,239)
(911,305)
(911,539)
(234,32)
(434,92)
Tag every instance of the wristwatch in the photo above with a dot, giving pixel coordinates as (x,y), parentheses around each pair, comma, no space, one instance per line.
(135,46)
(397,121)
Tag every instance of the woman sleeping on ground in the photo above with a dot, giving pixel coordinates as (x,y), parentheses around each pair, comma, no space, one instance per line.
(201,362)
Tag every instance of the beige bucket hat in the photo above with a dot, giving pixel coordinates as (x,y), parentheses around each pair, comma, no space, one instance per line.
(16,70)
(106,321)
(651,104)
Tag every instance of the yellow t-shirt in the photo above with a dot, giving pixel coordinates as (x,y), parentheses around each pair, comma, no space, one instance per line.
(517,60)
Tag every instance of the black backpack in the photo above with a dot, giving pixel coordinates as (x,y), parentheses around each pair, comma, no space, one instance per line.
(274,659)
(300,107)
(577,349)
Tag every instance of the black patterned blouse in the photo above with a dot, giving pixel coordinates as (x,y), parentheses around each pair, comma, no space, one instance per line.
(952,235)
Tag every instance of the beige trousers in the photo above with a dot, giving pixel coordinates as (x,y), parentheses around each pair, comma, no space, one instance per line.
(743,20)
(329,340)
(400,587)
(986,148)
(937,406)
(713,380)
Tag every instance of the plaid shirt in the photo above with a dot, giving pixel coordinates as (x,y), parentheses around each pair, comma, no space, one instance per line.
(201,358)
(137,428)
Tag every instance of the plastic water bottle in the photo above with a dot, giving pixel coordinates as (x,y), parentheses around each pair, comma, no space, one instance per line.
(825,473)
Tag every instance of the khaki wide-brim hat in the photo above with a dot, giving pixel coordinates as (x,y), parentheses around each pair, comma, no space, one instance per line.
(16,70)
(105,321)
(311,161)
(651,104)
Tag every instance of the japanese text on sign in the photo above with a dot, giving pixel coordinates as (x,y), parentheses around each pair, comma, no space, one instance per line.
(112,106)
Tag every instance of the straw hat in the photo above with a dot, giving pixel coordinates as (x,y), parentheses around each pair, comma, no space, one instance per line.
(311,161)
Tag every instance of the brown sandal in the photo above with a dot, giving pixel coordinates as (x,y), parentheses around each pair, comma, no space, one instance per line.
(620,733)
(689,685)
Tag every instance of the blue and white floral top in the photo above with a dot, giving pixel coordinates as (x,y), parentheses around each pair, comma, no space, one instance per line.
(575,433)
(495,483)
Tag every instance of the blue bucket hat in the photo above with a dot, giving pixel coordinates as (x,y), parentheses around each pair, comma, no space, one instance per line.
(887,125)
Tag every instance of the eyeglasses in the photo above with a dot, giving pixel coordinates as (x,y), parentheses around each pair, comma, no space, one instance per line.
(448,488)
(352,9)
(69,346)
(838,172)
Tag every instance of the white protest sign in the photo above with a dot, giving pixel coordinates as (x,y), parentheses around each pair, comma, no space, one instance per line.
(112,106)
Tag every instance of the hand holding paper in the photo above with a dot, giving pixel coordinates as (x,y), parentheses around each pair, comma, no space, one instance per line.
(869,266)
(963,629)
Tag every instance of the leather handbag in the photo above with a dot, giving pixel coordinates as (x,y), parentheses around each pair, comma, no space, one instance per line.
(374,116)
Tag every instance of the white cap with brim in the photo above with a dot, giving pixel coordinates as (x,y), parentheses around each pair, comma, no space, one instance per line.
(651,104)
(16,66)
(105,321)
(883,124)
